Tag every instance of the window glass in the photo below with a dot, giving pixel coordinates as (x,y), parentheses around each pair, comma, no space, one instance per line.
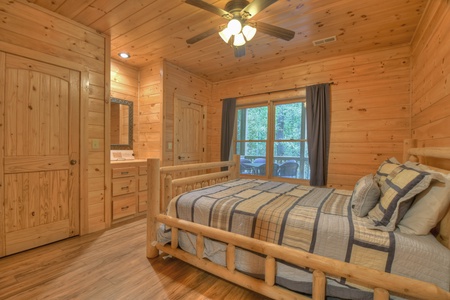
(288,121)
(252,123)
(286,139)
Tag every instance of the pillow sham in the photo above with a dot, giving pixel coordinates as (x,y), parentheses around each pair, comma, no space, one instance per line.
(397,194)
(429,207)
(366,195)
(385,169)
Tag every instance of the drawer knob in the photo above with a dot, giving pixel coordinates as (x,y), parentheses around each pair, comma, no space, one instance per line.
(73,162)
(125,207)
(125,188)
(124,173)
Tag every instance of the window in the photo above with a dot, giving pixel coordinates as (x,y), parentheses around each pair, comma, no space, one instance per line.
(273,135)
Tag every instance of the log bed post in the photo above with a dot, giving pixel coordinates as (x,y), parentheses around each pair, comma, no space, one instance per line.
(235,169)
(153,199)
(408,144)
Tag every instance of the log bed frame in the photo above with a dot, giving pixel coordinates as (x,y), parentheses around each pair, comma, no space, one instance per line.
(162,187)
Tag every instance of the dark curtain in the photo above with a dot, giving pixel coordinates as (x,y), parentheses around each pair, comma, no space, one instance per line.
(228,114)
(318,131)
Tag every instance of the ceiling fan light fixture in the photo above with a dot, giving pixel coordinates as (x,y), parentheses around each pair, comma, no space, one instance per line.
(234,26)
(239,40)
(249,32)
(225,34)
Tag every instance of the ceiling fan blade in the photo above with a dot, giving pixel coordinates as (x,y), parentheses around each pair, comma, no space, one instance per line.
(255,7)
(275,31)
(202,36)
(239,51)
(211,8)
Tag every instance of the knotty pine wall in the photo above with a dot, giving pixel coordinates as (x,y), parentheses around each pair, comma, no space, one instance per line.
(148,142)
(430,78)
(31,31)
(370,108)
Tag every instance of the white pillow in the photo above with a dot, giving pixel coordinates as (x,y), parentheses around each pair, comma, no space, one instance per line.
(429,207)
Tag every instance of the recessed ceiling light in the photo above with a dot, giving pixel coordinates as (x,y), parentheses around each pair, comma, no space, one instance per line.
(124,55)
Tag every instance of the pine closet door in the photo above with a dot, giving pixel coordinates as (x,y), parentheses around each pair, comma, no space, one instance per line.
(41,153)
(189,131)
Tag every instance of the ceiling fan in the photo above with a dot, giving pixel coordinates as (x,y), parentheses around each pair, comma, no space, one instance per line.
(239,29)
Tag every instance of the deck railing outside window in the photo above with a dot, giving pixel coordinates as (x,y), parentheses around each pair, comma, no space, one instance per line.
(251,166)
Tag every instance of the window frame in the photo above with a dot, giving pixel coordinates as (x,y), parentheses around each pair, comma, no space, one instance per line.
(270,140)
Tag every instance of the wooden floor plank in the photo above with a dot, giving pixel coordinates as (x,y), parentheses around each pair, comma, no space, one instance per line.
(108,265)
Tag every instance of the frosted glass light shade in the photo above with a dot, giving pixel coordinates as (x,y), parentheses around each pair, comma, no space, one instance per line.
(124,55)
(225,35)
(249,32)
(234,26)
(239,40)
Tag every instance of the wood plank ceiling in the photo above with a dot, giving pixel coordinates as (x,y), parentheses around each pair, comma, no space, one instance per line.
(157,29)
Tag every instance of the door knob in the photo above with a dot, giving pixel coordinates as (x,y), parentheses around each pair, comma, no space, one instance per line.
(73,162)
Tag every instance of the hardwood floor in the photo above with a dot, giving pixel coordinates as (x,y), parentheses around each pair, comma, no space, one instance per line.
(108,265)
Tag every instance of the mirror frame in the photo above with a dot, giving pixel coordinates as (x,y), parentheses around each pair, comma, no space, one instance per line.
(128,146)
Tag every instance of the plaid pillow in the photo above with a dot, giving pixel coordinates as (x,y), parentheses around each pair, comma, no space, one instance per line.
(385,169)
(365,195)
(397,194)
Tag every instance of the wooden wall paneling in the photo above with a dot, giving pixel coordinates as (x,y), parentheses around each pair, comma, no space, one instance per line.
(371,85)
(2,153)
(180,82)
(430,77)
(150,118)
(52,39)
(97,133)
(433,13)
(432,71)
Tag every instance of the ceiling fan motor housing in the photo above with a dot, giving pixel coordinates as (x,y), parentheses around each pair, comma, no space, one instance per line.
(234,7)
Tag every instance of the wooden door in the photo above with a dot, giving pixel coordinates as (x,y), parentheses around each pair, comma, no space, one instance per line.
(190,120)
(41,153)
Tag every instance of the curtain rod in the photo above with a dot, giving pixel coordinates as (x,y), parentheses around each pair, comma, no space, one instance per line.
(269,93)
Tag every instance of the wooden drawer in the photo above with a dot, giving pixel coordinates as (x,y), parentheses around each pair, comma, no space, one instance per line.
(124,206)
(142,183)
(142,201)
(143,170)
(123,172)
(123,186)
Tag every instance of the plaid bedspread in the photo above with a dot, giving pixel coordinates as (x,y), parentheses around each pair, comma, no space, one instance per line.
(317,220)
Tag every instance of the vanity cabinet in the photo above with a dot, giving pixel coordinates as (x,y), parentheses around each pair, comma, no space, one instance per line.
(129,188)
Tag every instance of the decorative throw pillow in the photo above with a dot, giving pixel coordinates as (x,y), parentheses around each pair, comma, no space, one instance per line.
(397,194)
(385,169)
(429,207)
(365,195)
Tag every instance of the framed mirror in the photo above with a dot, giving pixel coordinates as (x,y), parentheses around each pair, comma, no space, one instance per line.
(121,124)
